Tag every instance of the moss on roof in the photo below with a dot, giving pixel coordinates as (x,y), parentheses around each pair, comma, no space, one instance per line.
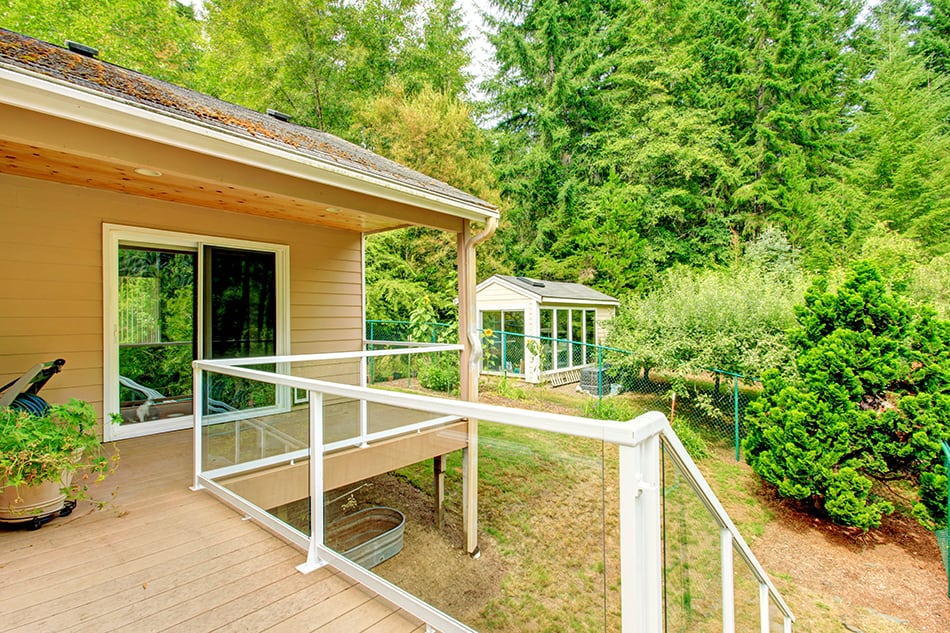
(143,91)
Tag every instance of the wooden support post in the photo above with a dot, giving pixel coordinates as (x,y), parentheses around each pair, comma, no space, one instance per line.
(468,386)
(438,480)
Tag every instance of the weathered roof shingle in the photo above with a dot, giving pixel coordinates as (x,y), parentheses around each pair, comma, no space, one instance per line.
(143,91)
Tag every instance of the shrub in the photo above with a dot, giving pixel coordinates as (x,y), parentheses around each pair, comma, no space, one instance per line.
(439,374)
(871,404)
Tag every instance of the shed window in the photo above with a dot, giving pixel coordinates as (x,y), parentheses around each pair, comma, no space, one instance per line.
(573,332)
(504,345)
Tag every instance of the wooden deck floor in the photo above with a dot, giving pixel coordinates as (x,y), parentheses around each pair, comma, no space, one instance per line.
(169,559)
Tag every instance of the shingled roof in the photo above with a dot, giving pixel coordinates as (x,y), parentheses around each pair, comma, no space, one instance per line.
(557,291)
(25,53)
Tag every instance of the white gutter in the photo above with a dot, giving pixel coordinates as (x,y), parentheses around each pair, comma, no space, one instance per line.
(31,91)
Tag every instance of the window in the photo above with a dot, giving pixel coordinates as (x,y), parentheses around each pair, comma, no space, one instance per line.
(574,334)
(547,342)
(577,335)
(562,325)
(590,335)
(504,349)
(173,298)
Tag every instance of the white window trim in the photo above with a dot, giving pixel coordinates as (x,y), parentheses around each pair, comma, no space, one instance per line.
(114,235)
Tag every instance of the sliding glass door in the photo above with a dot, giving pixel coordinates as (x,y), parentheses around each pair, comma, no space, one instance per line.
(157,338)
(175,298)
(240,321)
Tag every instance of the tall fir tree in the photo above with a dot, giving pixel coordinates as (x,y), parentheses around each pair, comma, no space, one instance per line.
(902,140)
(320,60)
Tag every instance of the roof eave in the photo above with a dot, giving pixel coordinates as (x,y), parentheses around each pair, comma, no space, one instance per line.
(24,89)
(580,301)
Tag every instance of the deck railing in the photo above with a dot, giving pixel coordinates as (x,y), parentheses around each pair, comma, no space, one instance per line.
(653,522)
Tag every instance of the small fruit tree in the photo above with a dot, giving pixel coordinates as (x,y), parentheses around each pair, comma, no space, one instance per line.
(870,404)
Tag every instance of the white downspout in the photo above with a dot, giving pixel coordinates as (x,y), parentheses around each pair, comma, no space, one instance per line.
(474,334)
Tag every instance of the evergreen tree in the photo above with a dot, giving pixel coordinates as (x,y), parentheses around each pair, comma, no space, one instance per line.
(432,132)
(773,76)
(546,98)
(933,35)
(157,37)
(872,404)
(320,60)
(902,141)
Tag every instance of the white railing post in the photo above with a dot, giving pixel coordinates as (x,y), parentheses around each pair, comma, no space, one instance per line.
(316,485)
(728,584)
(364,419)
(763,608)
(640,538)
(196,400)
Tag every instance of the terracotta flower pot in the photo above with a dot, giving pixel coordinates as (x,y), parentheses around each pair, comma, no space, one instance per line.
(27,503)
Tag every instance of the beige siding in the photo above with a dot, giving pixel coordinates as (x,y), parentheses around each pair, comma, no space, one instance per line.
(604,316)
(51,276)
(494,296)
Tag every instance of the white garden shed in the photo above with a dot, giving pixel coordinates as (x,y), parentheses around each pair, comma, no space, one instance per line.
(541,330)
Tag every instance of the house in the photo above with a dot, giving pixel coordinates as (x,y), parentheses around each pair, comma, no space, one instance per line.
(554,323)
(146,226)
(200,267)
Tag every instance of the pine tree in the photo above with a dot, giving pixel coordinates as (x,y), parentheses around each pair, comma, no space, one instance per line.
(902,169)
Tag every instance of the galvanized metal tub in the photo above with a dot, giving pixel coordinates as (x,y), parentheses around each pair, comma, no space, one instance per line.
(367,537)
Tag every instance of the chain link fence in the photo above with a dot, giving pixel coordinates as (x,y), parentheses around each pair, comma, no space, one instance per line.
(711,402)
(402,331)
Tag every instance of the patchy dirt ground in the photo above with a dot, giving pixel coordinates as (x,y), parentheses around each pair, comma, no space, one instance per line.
(889,580)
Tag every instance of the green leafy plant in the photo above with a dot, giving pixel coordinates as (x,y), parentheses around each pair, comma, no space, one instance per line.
(871,405)
(439,374)
(36,449)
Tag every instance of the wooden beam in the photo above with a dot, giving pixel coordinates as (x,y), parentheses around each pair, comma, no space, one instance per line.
(277,486)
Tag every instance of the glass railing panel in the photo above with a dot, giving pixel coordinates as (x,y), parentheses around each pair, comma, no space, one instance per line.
(776,617)
(746,595)
(692,597)
(431,373)
(542,534)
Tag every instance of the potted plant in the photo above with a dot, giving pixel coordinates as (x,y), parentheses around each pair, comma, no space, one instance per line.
(39,456)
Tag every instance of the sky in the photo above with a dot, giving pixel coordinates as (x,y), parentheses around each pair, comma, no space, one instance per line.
(482,65)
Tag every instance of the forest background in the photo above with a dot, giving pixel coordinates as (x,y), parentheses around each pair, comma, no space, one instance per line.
(700,159)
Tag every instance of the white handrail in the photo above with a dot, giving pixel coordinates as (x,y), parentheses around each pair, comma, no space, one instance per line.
(629,434)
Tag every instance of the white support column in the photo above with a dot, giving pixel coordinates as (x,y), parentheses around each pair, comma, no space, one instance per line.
(640,538)
(316,485)
(197,397)
(728,581)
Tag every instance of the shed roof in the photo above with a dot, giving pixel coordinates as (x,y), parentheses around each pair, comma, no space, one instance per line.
(38,58)
(552,291)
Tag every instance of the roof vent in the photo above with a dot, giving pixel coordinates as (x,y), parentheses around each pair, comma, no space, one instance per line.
(280,116)
(531,282)
(82,49)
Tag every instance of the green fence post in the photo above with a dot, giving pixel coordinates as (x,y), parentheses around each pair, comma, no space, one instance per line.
(504,354)
(946,560)
(372,372)
(735,406)
(600,373)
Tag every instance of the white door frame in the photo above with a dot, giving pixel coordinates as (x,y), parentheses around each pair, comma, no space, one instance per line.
(114,235)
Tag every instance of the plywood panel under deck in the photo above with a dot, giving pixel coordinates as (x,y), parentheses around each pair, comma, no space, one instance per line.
(280,485)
